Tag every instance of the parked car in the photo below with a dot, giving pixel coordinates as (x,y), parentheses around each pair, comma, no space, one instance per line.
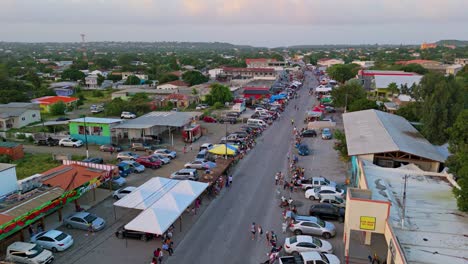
(127,115)
(324,192)
(166,153)
(150,162)
(314,226)
(94,160)
(110,148)
(310,257)
(49,141)
(209,119)
(140,147)
(30,253)
(122,192)
(228,119)
(185,174)
(81,220)
(326,133)
(296,244)
(233,114)
(330,109)
(124,169)
(164,160)
(53,240)
(95,109)
(206,146)
(124,233)
(135,166)
(127,155)
(314,182)
(70,142)
(62,118)
(336,201)
(115,184)
(309,133)
(197,164)
(303,150)
(327,211)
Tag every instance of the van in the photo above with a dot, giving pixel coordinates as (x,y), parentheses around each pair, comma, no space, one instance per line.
(252,121)
(22,252)
(201,156)
(185,174)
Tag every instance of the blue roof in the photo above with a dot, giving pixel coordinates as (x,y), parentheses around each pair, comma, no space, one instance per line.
(96,120)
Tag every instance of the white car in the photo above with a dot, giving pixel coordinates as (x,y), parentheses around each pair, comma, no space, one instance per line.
(324,192)
(122,192)
(206,146)
(197,164)
(296,244)
(166,153)
(22,252)
(313,257)
(70,142)
(127,115)
(54,240)
(136,167)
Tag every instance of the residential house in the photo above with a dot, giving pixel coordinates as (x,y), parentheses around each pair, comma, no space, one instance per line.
(248,73)
(389,140)
(91,81)
(181,100)
(17,115)
(140,76)
(126,94)
(256,92)
(12,149)
(461,61)
(98,130)
(172,86)
(64,88)
(364,64)
(327,62)
(46,101)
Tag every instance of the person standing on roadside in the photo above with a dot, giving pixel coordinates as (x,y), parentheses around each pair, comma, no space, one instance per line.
(230,179)
(253,230)
(267,237)
(260,231)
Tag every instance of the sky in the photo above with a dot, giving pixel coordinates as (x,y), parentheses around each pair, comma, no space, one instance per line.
(268,23)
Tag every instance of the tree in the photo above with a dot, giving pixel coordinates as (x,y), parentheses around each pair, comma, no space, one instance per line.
(219,93)
(413,67)
(340,144)
(194,91)
(347,94)
(362,104)
(167,77)
(194,77)
(458,161)
(410,112)
(72,74)
(343,72)
(133,80)
(114,77)
(100,79)
(58,108)
(393,88)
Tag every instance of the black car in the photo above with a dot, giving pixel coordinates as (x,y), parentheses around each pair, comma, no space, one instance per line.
(124,233)
(94,160)
(309,133)
(327,211)
(228,119)
(62,118)
(46,142)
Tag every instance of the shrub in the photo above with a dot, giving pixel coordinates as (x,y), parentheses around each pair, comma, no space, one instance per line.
(5,158)
(97,93)
(218,105)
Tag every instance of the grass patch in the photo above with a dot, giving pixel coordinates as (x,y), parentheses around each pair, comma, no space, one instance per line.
(34,163)
(94,97)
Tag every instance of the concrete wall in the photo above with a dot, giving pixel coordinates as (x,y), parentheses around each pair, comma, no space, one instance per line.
(8,181)
(29,116)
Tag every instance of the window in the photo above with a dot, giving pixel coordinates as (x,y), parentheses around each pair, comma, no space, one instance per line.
(23,118)
(33,115)
(47,239)
(76,219)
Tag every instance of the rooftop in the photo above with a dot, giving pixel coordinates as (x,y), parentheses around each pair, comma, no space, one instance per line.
(372,131)
(96,120)
(382,81)
(6,166)
(229,69)
(434,231)
(54,99)
(69,177)
(176,83)
(16,109)
(166,119)
(9,144)
(377,72)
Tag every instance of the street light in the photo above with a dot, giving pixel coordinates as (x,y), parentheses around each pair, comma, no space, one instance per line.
(86,136)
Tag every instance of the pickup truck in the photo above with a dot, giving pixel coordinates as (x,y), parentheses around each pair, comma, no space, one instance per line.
(46,142)
(310,257)
(316,182)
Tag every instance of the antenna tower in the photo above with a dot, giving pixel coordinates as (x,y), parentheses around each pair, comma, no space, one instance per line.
(83,46)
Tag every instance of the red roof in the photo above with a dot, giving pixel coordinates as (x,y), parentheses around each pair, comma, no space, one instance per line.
(5,218)
(69,177)
(46,100)
(417,62)
(229,69)
(248,61)
(177,96)
(178,83)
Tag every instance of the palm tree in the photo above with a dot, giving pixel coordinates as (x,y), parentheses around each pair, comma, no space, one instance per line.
(393,88)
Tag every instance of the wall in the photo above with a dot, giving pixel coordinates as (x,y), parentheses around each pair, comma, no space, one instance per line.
(103,138)
(15,153)
(8,181)
(28,116)
(356,208)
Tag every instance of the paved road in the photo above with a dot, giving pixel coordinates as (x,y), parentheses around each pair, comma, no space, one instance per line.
(222,234)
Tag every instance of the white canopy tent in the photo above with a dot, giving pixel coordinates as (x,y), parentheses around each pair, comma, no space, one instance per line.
(162,201)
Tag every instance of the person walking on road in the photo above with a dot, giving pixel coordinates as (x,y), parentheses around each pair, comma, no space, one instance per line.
(230,179)
(260,231)
(157,256)
(292,122)
(276,178)
(253,230)
(267,238)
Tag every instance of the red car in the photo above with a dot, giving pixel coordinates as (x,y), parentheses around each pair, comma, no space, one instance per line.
(149,162)
(209,119)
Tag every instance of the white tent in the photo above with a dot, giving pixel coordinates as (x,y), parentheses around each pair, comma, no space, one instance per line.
(162,201)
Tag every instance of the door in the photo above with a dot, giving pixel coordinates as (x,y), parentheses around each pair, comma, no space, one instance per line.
(311,228)
(305,246)
(46,242)
(79,223)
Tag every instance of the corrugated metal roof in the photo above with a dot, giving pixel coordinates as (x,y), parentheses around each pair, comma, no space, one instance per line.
(382,81)
(9,144)
(97,120)
(372,131)
(171,119)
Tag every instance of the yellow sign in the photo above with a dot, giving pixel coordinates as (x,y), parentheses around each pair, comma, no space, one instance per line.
(367,223)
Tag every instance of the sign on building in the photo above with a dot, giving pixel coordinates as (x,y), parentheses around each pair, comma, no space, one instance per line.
(367,223)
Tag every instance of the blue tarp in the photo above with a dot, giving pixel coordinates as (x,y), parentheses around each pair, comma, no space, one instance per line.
(277,97)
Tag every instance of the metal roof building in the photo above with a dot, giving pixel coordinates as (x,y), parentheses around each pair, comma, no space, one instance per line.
(388,140)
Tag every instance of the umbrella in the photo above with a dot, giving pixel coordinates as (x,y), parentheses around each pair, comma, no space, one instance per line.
(209,165)
(223,149)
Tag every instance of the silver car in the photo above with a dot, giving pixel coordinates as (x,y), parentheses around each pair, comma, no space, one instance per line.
(83,220)
(127,155)
(313,227)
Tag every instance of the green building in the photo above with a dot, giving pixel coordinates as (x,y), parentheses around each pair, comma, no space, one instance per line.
(98,130)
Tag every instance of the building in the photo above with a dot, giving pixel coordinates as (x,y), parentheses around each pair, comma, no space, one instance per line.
(17,115)
(173,86)
(7,179)
(327,62)
(153,124)
(91,81)
(64,88)
(181,100)
(248,73)
(46,101)
(126,94)
(98,130)
(125,76)
(12,149)
(265,63)
(453,69)
(372,79)
(256,92)
(364,64)
(404,215)
(214,72)
(461,61)
(428,46)
(389,140)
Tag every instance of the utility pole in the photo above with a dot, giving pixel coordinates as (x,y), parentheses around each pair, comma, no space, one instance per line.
(86,136)
(404,201)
